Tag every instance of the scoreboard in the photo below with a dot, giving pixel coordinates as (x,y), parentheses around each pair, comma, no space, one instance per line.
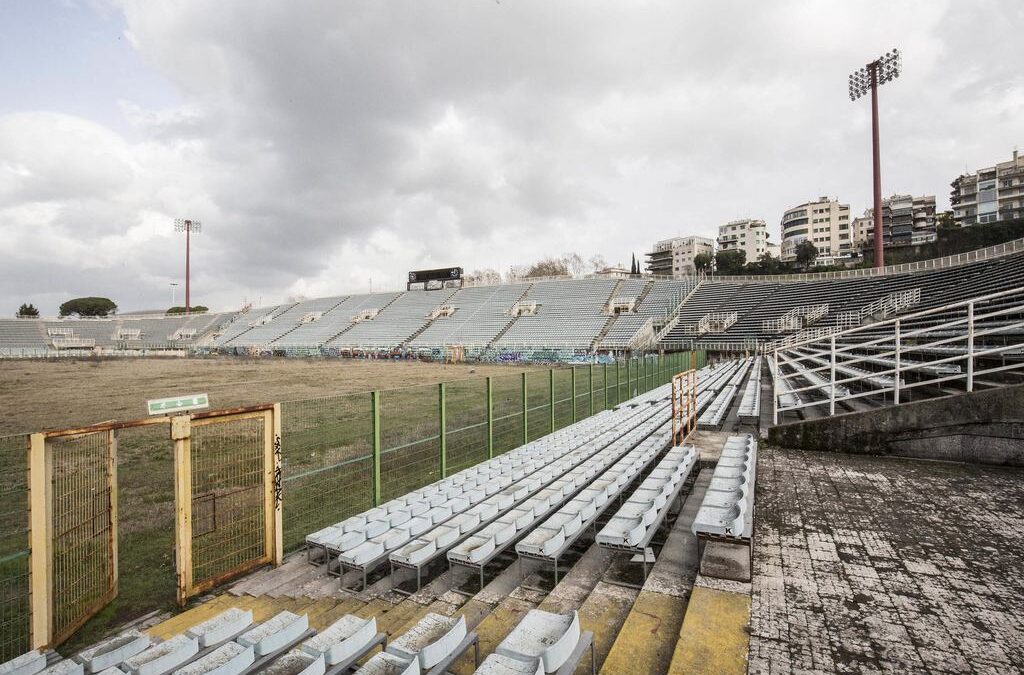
(438,278)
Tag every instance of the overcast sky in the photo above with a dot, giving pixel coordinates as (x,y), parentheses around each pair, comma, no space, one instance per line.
(327,143)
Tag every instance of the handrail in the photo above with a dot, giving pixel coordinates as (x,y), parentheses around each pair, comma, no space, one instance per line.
(956,260)
(968,325)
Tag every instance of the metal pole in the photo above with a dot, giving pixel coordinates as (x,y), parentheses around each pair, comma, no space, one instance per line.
(490,419)
(551,396)
(375,406)
(605,386)
(442,428)
(896,374)
(526,406)
(775,388)
(832,377)
(188,275)
(877,163)
(572,371)
(970,346)
(591,376)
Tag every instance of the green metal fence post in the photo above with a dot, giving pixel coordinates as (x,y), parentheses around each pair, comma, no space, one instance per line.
(442,421)
(490,419)
(591,378)
(375,411)
(551,395)
(605,368)
(629,392)
(572,370)
(526,407)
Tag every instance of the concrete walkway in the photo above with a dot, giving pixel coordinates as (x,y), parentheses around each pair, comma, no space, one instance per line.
(868,564)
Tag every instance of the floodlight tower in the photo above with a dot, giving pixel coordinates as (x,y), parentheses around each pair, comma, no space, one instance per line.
(869,78)
(188,227)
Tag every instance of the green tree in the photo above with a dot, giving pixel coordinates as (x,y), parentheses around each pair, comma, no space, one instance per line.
(194,309)
(91,306)
(28,311)
(806,253)
(730,262)
(702,262)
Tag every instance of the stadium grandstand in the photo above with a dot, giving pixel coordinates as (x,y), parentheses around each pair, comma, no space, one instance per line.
(551,319)
(747,484)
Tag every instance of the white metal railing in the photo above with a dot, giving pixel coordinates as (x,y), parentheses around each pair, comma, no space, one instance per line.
(182,334)
(73,343)
(672,318)
(309,317)
(988,253)
(716,322)
(796,318)
(955,347)
(58,332)
(644,336)
(892,303)
(128,334)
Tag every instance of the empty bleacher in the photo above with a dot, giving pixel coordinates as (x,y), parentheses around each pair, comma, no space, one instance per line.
(570,314)
(481,312)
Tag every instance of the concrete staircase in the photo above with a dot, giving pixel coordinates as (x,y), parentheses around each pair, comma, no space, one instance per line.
(672,622)
(512,320)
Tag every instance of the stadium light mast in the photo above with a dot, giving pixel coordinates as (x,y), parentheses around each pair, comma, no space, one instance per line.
(188,227)
(869,78)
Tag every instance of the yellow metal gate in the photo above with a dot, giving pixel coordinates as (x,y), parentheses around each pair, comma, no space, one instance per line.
(684,405)
(73,539)
(228,495)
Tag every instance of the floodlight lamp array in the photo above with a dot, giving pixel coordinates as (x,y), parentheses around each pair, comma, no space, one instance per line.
(885,69)
(184,224)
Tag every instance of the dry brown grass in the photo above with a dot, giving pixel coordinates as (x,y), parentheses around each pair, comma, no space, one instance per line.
(36,395)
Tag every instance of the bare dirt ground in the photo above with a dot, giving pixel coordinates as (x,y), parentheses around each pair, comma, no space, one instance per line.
(37,395)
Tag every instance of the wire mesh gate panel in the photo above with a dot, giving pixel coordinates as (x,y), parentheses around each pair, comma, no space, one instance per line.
(14,556)
(228,496)
(73,512)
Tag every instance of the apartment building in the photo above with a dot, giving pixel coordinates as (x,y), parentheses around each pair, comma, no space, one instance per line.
(989,195)
(906,221)
(674,257)
(824,222)
(747,235)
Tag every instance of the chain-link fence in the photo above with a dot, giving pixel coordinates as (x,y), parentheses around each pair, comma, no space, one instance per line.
(344,454)
(14,560)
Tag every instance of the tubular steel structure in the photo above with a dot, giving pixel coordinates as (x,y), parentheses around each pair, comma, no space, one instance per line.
(952,347)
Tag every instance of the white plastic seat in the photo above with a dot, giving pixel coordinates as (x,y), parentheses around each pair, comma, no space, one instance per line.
(431,640)
(549,637)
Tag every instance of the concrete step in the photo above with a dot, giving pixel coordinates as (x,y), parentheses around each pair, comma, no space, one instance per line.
(714,636)
(646,641)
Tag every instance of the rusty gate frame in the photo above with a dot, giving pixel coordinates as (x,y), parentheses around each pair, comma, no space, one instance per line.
(41,535)
(41,511)
(684,405)
(273,550)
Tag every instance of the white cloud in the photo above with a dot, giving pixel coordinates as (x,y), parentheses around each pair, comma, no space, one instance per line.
(325,144)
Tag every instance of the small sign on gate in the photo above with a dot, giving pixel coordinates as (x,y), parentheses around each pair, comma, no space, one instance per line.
(164,406)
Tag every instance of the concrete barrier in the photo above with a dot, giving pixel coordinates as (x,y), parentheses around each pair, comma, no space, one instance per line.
(983,427)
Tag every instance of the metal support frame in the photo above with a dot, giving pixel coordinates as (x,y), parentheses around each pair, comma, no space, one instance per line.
(872,361)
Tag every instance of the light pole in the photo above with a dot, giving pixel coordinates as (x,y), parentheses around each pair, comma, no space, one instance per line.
(188,227)
(869,78)
(174,288)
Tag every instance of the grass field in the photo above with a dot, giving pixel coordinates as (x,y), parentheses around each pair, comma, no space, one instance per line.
(37,395)
(327,434)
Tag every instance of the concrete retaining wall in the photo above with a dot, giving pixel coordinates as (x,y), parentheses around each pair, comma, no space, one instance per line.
(985,427)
